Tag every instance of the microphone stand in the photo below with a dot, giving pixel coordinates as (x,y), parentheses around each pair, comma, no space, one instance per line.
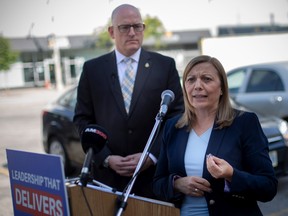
(104,186)
(123,201)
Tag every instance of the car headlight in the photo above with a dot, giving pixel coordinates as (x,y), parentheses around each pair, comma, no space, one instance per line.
(283,127)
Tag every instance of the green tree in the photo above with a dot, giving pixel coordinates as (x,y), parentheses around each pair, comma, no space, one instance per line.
(103,38)
(154,31)
(7,56)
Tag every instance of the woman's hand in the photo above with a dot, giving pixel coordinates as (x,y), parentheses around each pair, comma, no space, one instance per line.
(219,168)
(192,185)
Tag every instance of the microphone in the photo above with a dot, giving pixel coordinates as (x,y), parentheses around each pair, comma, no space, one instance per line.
(167,98)
(93,140)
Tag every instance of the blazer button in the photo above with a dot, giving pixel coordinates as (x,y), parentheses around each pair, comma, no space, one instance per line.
(211,202)
(130,131)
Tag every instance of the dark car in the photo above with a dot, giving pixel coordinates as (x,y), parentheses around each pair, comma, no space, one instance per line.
(276,131)
(61,137)
(261,87)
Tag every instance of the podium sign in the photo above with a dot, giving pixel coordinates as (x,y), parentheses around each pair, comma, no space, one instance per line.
(37,184)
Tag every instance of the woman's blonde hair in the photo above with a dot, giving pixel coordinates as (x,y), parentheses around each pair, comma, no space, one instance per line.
(224,113)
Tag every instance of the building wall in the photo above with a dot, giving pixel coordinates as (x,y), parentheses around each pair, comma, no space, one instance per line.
(12,78)
(40,71)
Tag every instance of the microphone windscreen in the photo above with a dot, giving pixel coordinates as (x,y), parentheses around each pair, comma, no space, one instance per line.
(95,137)
(167,95)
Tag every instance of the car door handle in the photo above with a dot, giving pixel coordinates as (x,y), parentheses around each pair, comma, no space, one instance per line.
(277,99)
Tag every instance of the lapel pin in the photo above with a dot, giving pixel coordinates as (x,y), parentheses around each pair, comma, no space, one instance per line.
(147,65)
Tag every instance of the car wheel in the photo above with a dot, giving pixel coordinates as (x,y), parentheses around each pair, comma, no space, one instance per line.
(57,148)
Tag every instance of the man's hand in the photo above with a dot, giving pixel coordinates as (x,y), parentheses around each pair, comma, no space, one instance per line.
(125,166)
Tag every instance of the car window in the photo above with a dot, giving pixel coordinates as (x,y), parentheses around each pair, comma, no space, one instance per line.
(235,80)
(69,99)
(73,99)
(264,81)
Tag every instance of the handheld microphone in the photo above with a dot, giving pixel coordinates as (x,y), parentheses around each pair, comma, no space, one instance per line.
(167,98)
(93,140)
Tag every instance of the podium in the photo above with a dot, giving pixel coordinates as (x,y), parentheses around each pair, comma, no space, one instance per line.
(102,202)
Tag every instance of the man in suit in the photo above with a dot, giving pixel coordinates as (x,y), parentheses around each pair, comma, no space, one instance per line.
(100,101)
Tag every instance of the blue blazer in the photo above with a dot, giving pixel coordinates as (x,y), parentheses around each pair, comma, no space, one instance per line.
(243,145)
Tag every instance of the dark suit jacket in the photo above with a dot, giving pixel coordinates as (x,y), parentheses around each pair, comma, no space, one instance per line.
(243,145)
(100,102)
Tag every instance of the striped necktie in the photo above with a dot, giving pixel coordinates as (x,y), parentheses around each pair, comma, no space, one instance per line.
(128,83)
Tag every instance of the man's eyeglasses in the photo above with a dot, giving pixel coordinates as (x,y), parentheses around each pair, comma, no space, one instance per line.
(126,28)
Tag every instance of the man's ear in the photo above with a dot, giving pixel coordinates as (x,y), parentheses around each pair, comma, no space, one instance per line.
(111,31)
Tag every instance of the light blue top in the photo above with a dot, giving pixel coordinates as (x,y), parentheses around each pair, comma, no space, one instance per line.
(194,161)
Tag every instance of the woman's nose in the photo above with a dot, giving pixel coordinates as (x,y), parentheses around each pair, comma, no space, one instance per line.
(198,84)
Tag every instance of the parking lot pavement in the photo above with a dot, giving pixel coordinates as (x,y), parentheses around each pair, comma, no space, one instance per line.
(6,201)
(20,128)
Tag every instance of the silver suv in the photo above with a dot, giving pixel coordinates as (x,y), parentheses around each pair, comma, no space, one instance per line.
(261,87)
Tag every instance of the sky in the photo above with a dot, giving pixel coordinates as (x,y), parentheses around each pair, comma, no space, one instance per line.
(19,18)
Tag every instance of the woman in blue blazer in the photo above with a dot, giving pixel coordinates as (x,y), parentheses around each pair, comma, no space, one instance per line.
(214,159)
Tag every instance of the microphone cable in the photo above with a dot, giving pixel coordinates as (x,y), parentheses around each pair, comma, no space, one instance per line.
(86,201)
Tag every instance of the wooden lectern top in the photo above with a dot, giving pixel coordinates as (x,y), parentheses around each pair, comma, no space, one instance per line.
(103,203)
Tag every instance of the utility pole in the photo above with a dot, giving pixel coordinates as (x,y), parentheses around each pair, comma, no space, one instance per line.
(52,43)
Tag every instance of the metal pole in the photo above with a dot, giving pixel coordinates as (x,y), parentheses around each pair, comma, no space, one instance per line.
(123,203)
(52,43)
